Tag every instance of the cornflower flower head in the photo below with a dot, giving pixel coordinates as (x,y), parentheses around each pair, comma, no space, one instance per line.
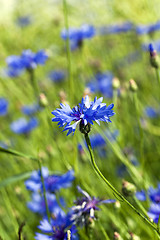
(146,29)
(52,183)
(85,208)
(154,196)
(57,228)
(24,21)
(22,126)
(26,61)
(57,75)
(84,114)
(77,35)
(30,109)
(3,106)
(102,82)
(37,204)
(151,112)
(115,29)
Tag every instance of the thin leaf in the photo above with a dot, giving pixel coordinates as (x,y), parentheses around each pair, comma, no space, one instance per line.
(16,153)
(14,179)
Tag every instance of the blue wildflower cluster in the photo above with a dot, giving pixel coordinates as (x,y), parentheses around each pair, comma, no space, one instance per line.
(77,35)
(102,83)
(22,126)
(78,216)
(154,196)
(26,61)
(85,113)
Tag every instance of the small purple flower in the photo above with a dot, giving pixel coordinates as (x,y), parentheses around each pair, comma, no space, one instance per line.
(85,208)
(141,195)
(3,106)
(57,229)
(84,114)
(52,183)
(22,126)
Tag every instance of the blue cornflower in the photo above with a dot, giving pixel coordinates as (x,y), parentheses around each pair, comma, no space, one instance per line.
(154,196)
(85,208)
(151,112)
(26,61)
(24,21)
(145,29)
(84,114)
(102,82)
(117,28)
(52,183)
(3,106)
(149,46)
(57,228)
(30,109)
(37,204)
(57,75)
(77,35)
(141,195)
(22,126)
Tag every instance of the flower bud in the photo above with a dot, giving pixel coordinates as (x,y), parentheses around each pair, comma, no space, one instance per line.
(84,128)
(43,102)
(115,83)
(128,189)
(117,236)
(154,58)
(134,237)
(133,86)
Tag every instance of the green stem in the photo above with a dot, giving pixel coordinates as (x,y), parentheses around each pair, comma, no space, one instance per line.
(141,137)
(111,187)
(157,75)
(71,83)
(34,82)
(44,190)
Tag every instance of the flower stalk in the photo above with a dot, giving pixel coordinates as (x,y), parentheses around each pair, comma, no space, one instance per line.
(120,196)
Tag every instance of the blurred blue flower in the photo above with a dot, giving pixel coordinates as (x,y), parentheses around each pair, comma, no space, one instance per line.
(85,208)
(141,195)
(102,82)
(37,204)
(155,43)
(22,126)
(122,169)
(30,109)
(115,28)
(85,31)
(77,35)
(151,112)
(52,183)
(24,21)
(3,145)
(57,228)
(145,29)
(154,196)
(85,113)
(27,60)
(3,106)
(57,75)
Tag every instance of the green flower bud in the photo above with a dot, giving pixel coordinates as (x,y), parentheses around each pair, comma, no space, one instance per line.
(128,189)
